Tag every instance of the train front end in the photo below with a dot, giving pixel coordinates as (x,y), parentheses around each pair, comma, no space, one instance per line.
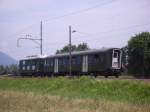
(116,60)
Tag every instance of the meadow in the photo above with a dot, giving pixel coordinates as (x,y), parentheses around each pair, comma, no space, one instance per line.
(73,95)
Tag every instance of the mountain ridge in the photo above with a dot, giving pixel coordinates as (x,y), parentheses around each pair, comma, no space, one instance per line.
(5,59)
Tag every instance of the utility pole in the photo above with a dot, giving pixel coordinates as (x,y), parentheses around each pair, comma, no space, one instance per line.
(41,46)
(29,37)
(70,60)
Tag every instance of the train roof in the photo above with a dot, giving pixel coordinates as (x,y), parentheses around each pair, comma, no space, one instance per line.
(73,53)
(35,57)
(82,52)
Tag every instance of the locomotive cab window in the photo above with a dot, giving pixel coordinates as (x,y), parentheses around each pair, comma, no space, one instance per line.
(115,54)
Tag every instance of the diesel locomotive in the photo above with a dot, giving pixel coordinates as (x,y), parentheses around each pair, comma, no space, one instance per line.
(105,61)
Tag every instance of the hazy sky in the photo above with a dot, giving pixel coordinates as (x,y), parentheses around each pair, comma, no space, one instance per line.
(100,23)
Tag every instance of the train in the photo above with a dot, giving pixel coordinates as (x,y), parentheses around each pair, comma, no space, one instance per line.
(105,61)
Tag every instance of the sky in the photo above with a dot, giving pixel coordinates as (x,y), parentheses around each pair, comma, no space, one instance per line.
(99,23)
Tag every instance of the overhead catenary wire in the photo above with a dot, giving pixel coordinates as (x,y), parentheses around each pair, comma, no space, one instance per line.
(70,14)
(95,35)
(80,11)
(67,14)
(64,15)
(113,30)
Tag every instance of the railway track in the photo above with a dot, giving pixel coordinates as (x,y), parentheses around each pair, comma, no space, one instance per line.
(98,77)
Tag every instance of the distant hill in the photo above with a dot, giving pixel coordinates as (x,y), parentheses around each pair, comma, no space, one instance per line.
(6,60)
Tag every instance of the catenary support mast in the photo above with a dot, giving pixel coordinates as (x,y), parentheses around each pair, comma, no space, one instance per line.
(41,34)
(70,60)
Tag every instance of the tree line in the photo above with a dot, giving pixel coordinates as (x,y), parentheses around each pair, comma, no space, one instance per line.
(135,56)
(9,69)
(80,47)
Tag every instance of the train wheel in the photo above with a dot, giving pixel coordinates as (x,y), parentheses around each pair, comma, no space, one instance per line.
(95,75)
(106,76)
(117,76)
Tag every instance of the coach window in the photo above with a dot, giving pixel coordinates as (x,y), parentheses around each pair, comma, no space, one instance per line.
(73,60)
(50,62)
(23,62)
(78,60)
(60,61)
(67,60)
(33,67)
(64,61)
(23,68)
(96,57)
(90,59)
(31,62)
(26,62)
(101,58)
(28,67)
(148,45)
(45,62)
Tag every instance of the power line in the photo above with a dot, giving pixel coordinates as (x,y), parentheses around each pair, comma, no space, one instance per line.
(70,14)
(28,37)
(65,15)
(22,30)
(125,28)
(79,11)
(96,34)
(112,30)
(84,33)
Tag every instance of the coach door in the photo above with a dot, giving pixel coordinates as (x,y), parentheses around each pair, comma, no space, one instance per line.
(56,66)
(85,64)
(115,59)
(40,66)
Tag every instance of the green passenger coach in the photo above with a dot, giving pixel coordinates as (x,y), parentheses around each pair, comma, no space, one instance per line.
(106,61)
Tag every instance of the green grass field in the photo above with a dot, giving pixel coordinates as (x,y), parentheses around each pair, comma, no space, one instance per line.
(126,93)
(115,90)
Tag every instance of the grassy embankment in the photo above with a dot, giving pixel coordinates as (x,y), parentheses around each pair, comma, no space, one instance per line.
(84,94)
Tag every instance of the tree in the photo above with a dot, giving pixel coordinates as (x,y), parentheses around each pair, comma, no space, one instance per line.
(139,54)
(2,70)
(80,47)
(13,69)
(9,69)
